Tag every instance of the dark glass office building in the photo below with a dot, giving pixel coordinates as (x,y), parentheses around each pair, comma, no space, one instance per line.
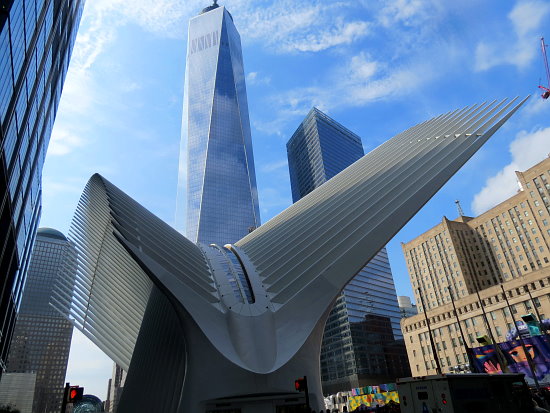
(42,336)
(216,150)
(36,40)
(363,343)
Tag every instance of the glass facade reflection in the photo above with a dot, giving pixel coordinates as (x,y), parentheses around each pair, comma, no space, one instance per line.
(222,199)
(42,336)
(36,40)
(362,343)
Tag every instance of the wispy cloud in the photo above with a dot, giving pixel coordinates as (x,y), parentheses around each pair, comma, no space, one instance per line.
(407,12)
(535,106)
(308,26)
(256,78)
(273,166)
(356,82)
(63,142)
(527,149)
(341,33)
(517,46)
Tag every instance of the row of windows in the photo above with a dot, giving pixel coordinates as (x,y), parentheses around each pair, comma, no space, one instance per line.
(517,292)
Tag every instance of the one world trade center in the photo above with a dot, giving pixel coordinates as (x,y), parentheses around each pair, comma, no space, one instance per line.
(216,160)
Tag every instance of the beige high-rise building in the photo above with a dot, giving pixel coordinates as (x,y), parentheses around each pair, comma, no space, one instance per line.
(506,246)
(470,254)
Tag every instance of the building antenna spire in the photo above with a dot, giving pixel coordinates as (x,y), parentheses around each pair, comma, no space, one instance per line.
(459,208)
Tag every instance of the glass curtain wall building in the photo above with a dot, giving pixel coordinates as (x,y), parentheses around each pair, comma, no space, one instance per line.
(36,41)
(361,343)
(216,161)
(42,336)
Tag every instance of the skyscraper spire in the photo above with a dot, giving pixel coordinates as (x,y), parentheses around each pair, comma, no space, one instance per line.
(213,6)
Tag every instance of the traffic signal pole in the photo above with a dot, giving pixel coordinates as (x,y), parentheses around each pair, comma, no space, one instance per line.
(307,395)
(65,397)
(301,385)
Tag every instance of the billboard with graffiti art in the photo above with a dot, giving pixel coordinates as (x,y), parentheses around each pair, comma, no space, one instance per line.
(514,358)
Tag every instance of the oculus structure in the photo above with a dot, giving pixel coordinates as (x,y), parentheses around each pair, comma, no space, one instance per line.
(198,325)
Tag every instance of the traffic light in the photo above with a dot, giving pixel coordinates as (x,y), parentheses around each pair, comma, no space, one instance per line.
(532,323)
(484,340)
(75,394)
(301,384)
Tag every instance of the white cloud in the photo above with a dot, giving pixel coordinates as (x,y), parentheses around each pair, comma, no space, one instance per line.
(518,46)
(535,106)
(357,82)
(342,33)
(273,166)
(63,142)
(287,26)
(255,78)
(407,12)
(527,149)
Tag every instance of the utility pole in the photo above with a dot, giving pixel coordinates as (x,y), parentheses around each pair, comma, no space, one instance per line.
(527,355)
(434,350)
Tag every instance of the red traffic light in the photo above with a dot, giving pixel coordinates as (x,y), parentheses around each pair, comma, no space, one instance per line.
(75,394)
(300,384)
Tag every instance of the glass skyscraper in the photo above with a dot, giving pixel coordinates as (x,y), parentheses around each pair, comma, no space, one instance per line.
(42,336)
(362,343)
(36,41)
(222,198)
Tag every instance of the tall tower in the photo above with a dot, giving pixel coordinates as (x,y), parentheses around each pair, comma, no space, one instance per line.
(222,199)
(366,314)
(42,336)
(36,41)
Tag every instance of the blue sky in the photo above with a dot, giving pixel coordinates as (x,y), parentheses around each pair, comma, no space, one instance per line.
(377,67)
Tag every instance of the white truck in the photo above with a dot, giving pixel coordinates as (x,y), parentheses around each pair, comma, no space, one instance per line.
(465,393)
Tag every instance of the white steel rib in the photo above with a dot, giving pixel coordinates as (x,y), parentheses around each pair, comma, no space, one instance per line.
(263,301)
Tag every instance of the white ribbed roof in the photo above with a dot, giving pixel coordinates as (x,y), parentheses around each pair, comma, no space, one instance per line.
(293,266)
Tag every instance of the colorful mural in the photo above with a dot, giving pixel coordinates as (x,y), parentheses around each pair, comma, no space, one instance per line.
(515,357)
(371,396)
